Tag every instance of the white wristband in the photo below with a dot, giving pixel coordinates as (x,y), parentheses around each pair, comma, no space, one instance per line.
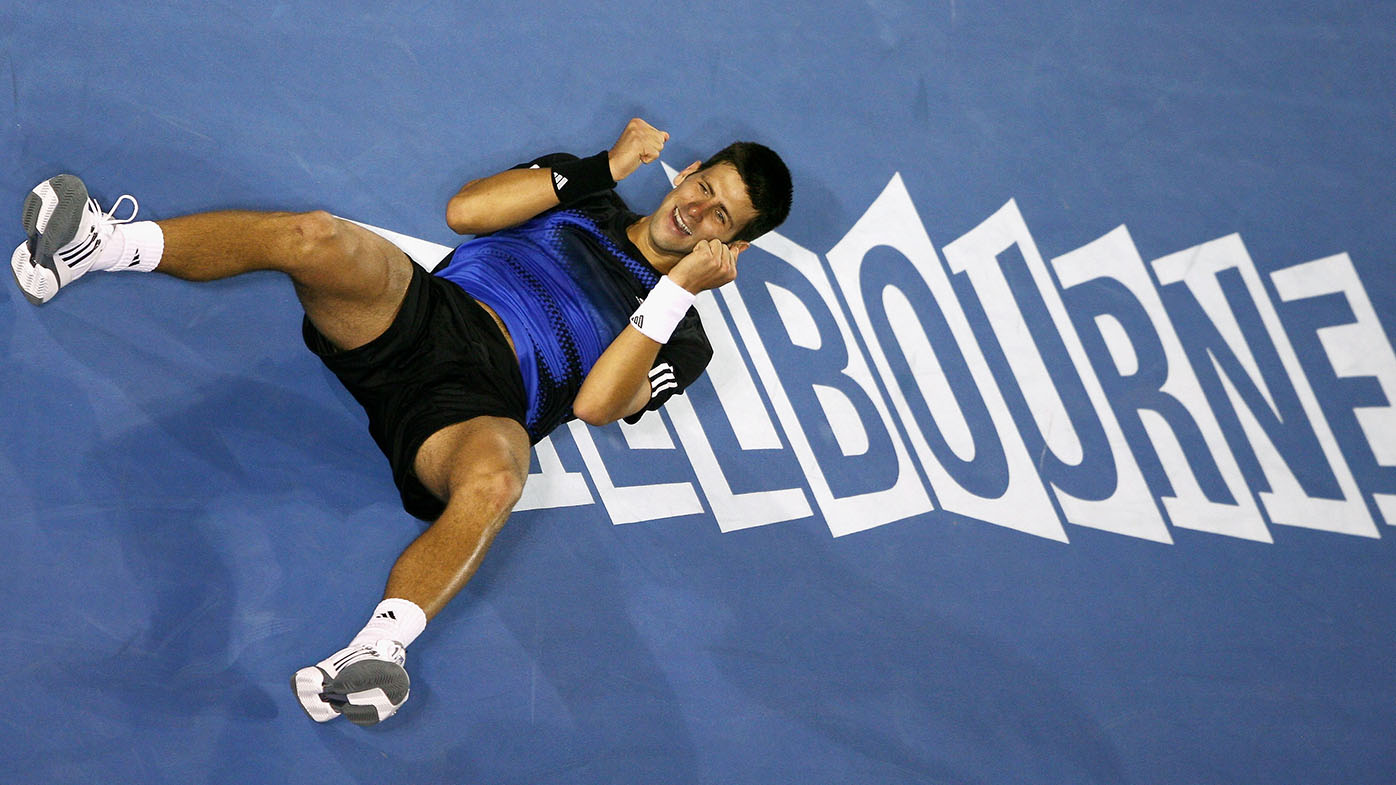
(662,310)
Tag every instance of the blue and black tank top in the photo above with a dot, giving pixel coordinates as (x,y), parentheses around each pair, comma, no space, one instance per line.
(565,284)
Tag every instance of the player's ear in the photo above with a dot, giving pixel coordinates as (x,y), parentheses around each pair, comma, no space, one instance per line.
(687,170)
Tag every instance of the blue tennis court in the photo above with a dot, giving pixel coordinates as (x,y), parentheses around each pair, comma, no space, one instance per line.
(1051,440)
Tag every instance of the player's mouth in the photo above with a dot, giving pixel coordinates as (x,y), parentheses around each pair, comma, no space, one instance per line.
(680,225)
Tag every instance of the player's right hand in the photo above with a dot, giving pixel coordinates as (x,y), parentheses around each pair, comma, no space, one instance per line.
(639,143)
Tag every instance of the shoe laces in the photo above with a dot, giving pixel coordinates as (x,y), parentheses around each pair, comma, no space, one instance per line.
(109,217)
(389,650)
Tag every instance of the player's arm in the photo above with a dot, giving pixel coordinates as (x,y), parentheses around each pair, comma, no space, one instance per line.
(618,385)
(516,195)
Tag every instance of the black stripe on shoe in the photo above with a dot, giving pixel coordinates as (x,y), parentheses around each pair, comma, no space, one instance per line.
(75,255)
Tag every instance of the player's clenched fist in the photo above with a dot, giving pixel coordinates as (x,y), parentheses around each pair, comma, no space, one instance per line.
(711,264)
(639,143)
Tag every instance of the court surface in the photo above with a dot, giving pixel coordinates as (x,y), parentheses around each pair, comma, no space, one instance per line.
(1050,441)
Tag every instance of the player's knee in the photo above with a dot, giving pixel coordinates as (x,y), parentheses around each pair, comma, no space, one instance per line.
(496,489)
(314,239)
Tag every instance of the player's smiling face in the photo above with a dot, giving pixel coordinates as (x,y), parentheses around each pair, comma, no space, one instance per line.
(704,205)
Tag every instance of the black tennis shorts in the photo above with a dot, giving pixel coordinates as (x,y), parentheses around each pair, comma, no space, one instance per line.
(443,360)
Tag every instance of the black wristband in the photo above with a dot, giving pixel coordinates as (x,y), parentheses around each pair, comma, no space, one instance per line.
(573,180)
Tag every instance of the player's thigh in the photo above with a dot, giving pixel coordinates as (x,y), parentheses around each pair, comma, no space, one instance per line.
(351,281)
(483,457)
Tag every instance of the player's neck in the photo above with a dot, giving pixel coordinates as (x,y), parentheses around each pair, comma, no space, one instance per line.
(662,261)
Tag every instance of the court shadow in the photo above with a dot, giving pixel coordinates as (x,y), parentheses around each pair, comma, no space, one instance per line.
(965,709)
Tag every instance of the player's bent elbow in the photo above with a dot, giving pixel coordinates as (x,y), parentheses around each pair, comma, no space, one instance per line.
(461,218)
(469,213)
(592,415)
(603,400)
(599,411)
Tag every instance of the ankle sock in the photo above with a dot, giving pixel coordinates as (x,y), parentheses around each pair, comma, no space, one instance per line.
(395,620)
(136,247)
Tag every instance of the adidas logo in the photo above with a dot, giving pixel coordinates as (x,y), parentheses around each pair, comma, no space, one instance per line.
(75,254)
(638,320)
(661,379)
(559,181)
(386,615)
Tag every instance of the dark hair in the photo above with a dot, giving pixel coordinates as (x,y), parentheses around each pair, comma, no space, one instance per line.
(767,183)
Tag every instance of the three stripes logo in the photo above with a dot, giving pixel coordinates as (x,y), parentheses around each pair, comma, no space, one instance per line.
(661,379)
(559,181)
(81,251)
(638,320)
(386,615)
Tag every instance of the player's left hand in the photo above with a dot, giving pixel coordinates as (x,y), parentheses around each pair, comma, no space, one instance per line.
(709,265)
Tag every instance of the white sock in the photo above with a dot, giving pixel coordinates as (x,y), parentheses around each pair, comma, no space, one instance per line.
(135,246)
(395,620)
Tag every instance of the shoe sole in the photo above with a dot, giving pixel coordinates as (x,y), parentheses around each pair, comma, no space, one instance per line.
(309,684)
(369,707)
(52,216)
(369,691)
(20,258)
(366,693)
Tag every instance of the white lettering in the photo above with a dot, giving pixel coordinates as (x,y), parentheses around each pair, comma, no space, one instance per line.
(1357,349)
(741,404)
(1115,257)
(892,221)
(905,496)
(633,503)
(1129,509)
(553,486)
(1286,502)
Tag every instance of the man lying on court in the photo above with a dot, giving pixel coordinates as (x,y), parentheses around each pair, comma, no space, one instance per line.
(565,305)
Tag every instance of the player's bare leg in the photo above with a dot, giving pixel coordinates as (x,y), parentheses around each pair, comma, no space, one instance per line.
(350,280)
(478,468)
(351,283)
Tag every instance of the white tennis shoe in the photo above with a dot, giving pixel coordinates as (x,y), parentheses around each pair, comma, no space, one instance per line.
(365,683)
(66,231)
